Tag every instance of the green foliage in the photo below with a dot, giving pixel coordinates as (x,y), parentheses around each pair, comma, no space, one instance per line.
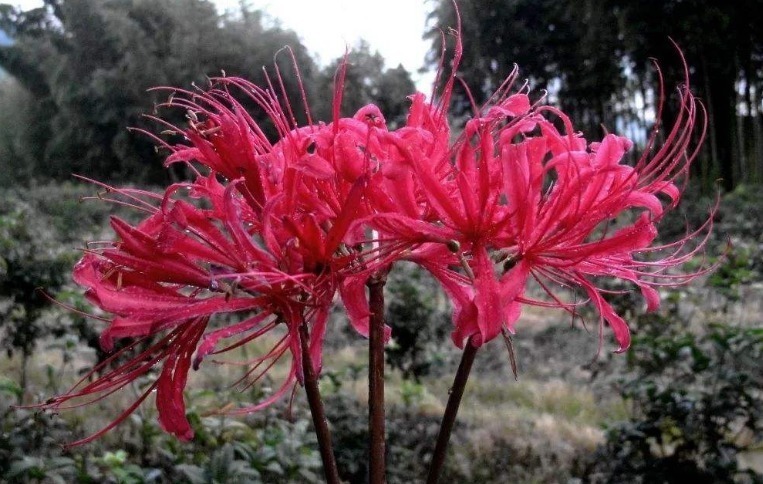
(740,218)
(88,64)
(30,444)
(736,269)
(696,405)
(117,465)
(411,392)
(736,236)
(62,206)
(552,41)
(82,69)
(475,455)
(419,319)
(270,451)
(39,227)
(29,264)
(282,452)
(15,131)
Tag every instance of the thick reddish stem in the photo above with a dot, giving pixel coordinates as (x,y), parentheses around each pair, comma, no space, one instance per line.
(451,411)
(376,450)
(316,409)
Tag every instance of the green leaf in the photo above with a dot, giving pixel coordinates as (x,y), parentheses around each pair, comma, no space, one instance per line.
(10,387)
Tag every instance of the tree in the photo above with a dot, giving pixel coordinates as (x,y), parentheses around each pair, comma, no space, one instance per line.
(595,58)
(88,64)
(556,44)
(723,45)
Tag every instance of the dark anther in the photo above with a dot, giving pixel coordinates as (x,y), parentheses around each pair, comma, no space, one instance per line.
(511,261)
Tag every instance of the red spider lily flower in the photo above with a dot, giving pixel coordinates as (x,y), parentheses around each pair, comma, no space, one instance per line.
(308,188)
(265,232)
(449,203)
(513,199)
(456,209)
(560,231)
(166,279)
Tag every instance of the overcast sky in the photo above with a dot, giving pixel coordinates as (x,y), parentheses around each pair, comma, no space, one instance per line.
(393,27)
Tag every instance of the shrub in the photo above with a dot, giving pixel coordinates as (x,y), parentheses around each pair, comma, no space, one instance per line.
(697,403)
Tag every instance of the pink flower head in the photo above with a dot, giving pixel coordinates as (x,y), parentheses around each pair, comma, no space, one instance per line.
(561,231)
(520,195)
(261,239)
(259,242)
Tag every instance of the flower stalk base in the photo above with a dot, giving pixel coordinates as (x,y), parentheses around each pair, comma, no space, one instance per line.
(320,422)
(451,411)
(376,411)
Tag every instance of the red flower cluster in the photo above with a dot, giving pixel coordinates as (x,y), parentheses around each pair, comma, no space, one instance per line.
(268,233)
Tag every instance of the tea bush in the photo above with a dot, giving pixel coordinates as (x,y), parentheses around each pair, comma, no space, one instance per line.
(697,403)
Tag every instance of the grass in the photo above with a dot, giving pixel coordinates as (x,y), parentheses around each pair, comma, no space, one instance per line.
(556,409)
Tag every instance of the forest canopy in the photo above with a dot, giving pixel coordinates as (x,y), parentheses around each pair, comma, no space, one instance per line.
(81,70)
(596,58)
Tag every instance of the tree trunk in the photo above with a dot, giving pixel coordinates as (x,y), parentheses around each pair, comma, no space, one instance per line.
(721,97)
